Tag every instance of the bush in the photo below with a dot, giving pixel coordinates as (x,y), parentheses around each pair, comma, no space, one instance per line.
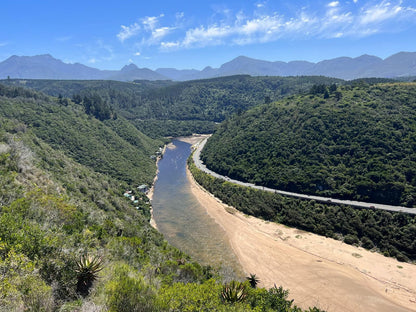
(128,292)
(351,239)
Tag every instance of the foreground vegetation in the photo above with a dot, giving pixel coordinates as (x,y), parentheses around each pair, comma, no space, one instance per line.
(350,142)
(70,240)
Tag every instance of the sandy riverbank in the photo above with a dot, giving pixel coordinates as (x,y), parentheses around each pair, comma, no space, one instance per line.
(317,270)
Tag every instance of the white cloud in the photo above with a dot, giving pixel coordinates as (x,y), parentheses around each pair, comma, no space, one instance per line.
(380,12)
(137,54)
(92,60)
(169,45)
(161,32)
(148,28)
(128,31)
(150,22)
(3,44)
(206,36)
(334,19)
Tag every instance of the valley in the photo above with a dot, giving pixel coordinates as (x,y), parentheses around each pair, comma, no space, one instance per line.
(72,157)
(208,156)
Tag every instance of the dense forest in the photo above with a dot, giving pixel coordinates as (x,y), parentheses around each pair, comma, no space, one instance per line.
(70,240)
(164,108)
(351,142)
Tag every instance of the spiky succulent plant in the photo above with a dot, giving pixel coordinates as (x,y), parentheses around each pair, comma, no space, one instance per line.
(87,272)
(234,292)
(253,280)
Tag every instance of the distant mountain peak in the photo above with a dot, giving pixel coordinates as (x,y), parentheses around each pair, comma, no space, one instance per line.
(129,67)
(45,56)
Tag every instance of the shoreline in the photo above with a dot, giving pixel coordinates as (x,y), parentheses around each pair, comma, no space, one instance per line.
(348,278)
(194,139)
(152,189)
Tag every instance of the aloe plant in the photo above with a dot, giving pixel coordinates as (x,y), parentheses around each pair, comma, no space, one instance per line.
(253,280)
(87,272)
(234,292)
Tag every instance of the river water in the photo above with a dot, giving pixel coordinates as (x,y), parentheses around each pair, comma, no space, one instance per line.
(183,221)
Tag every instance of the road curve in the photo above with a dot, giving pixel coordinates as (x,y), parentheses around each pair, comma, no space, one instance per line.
(199,164)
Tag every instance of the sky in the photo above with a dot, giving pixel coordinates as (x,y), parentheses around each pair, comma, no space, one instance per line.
(194,34)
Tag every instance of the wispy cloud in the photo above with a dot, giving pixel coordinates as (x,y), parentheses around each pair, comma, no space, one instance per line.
(128,31)
(3,44)
(148,28)
(382,12)
(333,19)
(333,4)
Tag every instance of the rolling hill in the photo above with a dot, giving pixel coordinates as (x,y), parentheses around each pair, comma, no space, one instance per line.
(356,142)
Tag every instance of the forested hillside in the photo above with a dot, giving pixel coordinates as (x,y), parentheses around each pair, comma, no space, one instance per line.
(70,240)
(351,142)
(113,147)
(165,108)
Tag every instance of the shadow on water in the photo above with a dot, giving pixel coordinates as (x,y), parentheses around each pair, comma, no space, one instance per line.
(182,220)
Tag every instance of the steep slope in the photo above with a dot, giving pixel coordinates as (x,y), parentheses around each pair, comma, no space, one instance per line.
(356,143)
(89,141)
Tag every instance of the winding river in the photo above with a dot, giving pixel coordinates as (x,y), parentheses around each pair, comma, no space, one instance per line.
(182,220)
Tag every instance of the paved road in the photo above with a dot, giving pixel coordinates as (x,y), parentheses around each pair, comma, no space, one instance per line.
(198,162)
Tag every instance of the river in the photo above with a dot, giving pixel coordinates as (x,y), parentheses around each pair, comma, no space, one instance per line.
(183,221)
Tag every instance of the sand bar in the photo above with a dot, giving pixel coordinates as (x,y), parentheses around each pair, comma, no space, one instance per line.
(318,271)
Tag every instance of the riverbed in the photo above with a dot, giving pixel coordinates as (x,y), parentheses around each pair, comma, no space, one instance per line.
(183,221)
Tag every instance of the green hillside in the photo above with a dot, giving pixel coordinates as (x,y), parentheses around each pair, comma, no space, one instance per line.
(113,147)
(164,108)
(70,240)
(355,142)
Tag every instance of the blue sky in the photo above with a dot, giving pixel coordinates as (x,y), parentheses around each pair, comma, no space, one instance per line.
(194,34)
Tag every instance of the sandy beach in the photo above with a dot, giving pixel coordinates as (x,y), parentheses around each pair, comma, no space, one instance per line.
(318,271)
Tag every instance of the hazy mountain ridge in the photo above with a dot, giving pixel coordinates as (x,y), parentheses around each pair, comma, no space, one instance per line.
(47,67)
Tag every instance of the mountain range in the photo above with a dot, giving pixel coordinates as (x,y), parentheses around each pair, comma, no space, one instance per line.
(45,66)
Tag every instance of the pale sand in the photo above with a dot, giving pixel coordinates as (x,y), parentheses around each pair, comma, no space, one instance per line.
(318,271)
